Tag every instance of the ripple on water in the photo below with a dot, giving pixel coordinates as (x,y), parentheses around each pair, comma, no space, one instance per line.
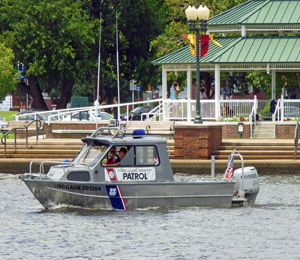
(269,230)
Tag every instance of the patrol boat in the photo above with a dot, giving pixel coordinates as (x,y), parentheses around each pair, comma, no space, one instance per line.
(142,179)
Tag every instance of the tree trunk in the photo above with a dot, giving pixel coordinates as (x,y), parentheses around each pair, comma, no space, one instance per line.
(36,94)
(65,95)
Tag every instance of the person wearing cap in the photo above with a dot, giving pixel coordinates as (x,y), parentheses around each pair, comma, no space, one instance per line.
(115,161)
(122,153)
(113,158)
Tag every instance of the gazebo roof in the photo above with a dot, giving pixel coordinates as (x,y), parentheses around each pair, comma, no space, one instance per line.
(270,16)
(248,53)
(260,12)
(242,51)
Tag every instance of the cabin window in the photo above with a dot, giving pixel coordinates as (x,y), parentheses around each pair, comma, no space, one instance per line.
(93,154)
(146,156)
(78,176)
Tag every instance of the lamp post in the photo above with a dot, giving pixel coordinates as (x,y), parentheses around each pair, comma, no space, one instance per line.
(202,14)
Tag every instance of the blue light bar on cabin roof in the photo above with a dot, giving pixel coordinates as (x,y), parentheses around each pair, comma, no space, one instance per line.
(137,133)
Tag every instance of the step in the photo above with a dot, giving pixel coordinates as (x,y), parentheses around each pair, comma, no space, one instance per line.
(254,148)
(258,157)
(264,136)
(262,152)
(40,147)
(39,156)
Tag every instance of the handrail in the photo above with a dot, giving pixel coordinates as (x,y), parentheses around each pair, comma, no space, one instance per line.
(296,139)
(4,136)
(278,106)
(253,112)
(156,111)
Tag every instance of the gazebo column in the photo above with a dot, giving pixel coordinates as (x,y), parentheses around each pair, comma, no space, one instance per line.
(217,91)
(273,95)
(189,81)
(164,92)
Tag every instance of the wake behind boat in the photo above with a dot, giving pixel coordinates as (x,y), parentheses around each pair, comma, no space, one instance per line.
(143,178)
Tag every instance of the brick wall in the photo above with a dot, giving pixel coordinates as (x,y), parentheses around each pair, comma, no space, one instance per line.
(285,130)
(196,141)
(230,130)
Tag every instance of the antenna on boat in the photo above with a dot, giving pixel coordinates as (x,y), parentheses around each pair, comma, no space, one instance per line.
(118,71)
(98,77)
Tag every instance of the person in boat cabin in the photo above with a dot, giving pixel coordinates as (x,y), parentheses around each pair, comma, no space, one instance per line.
(122,153)
(113,158)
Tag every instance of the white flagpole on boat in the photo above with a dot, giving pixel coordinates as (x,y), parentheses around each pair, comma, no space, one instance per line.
(118,72)
(98,77)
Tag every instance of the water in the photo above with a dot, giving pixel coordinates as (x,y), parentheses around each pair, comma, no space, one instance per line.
(269,230)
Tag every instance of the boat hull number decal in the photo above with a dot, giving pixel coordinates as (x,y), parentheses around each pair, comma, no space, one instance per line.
(76,187)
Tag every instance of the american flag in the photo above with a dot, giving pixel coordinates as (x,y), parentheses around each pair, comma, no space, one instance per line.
(229,170)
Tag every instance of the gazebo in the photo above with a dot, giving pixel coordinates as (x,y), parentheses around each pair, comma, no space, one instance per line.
(273,53)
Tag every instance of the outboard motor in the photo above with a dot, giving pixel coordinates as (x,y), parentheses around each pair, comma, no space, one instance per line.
(249,187)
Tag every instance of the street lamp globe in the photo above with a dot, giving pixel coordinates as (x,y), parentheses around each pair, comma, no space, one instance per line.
(205,13)
(191,13)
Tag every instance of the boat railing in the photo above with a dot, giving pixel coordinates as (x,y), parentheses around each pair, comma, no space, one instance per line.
(237,154)
(115,128)
(63,164)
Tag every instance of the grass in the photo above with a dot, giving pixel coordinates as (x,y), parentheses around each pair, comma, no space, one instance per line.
(8,115)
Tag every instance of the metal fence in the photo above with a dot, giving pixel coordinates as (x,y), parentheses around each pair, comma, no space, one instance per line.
(182,109)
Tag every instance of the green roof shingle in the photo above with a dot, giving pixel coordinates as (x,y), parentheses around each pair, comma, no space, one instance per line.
(260,12)
(259,49)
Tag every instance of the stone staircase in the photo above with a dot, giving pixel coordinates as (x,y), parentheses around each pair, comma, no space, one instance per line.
(264,130)
(250,149)
(50,149)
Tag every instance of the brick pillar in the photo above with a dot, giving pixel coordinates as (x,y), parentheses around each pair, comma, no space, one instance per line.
(192,141)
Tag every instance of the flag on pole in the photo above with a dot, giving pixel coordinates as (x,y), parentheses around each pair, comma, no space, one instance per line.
(192,39)
(204,44)
(211,37)
(229,171)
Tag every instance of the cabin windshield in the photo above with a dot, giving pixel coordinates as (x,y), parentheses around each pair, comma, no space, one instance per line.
(92,154)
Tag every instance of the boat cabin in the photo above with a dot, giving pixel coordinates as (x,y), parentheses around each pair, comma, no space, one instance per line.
(146,159)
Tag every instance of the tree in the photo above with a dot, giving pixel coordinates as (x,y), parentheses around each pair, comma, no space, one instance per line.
(139,22)
(9,76)
(54,40)
(58,43)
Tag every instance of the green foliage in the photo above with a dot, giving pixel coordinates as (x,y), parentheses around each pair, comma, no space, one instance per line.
(236,83)
(8,72)
(55,40)
(265,112)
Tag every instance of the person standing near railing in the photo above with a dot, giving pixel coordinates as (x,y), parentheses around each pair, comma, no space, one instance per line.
(97,103)
(174,91)
(115,109)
